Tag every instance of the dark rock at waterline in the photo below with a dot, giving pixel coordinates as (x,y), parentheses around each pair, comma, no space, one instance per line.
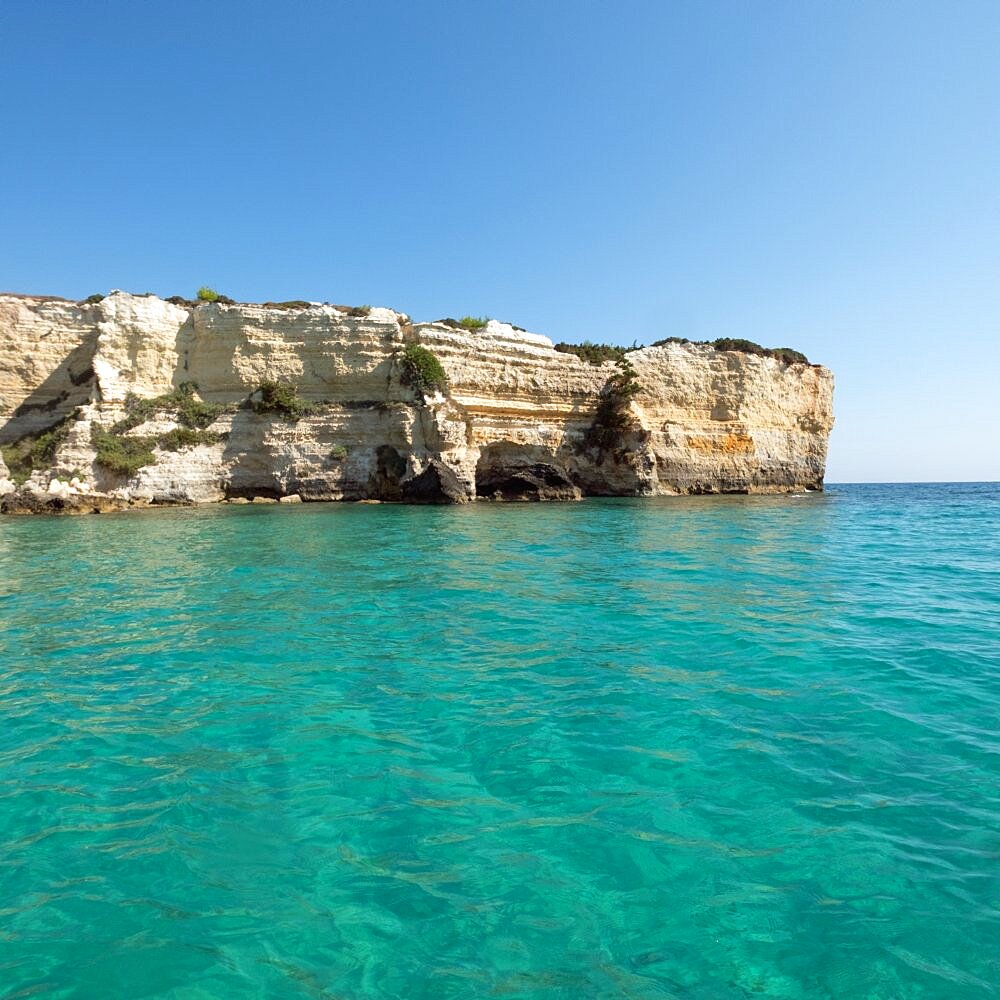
(24,501)
(537,481)
(436,484)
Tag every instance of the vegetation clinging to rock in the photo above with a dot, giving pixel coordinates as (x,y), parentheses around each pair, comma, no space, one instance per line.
(184,437)
(127,454)
(189,411)
(740,345)
(206,294)
(279,398)
(121,454)
(789,355)
(612,419)
(786,354)
(466,322)
(32,453)
(596,354)
(116,449)
(422,370)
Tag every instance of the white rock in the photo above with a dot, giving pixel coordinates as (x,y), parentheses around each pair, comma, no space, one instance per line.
(709,420)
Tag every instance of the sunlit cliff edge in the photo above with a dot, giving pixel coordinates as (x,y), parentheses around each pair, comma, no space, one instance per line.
(514,420)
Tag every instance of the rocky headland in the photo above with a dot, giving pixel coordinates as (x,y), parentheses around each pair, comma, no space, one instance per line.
(131,400)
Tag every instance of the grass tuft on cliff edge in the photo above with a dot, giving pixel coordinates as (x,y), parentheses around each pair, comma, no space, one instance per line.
(206,294)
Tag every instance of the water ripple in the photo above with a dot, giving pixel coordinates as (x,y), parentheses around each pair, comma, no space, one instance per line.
(686,749)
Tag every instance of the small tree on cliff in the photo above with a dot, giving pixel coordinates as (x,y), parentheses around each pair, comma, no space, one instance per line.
(613,419)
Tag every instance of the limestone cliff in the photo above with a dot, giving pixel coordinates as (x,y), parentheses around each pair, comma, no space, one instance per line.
(515,420)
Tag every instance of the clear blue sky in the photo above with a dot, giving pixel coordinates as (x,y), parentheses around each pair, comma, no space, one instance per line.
(823,176)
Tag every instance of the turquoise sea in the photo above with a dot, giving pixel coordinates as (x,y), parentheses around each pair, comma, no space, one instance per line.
(678,748)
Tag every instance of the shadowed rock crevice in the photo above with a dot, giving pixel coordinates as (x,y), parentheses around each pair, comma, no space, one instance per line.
(71,384)
(507,471)
(526,482)
(390,467)
(436,484)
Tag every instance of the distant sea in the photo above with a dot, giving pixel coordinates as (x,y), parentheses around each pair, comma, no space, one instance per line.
(676,748)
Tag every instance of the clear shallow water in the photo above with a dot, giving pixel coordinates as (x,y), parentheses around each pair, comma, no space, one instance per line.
(706,748)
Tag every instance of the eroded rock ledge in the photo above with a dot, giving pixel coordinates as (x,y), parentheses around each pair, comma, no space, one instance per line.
(514,422)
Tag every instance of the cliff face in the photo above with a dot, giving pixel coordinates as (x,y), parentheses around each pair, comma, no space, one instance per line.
(514,422)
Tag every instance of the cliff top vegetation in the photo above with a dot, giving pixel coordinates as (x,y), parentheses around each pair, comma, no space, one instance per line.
(594,353)
(598,354)
(786,354)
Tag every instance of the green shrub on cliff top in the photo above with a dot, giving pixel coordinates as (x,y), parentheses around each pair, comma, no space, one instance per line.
(596,354)
(788,355)
(740,345)
(473,322)
(422,370)
(206,294)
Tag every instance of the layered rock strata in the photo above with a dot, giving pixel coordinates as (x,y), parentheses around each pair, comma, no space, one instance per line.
(513,423)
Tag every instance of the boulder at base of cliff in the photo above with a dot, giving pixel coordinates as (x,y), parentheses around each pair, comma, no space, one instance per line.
(436,484)
(538,481)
